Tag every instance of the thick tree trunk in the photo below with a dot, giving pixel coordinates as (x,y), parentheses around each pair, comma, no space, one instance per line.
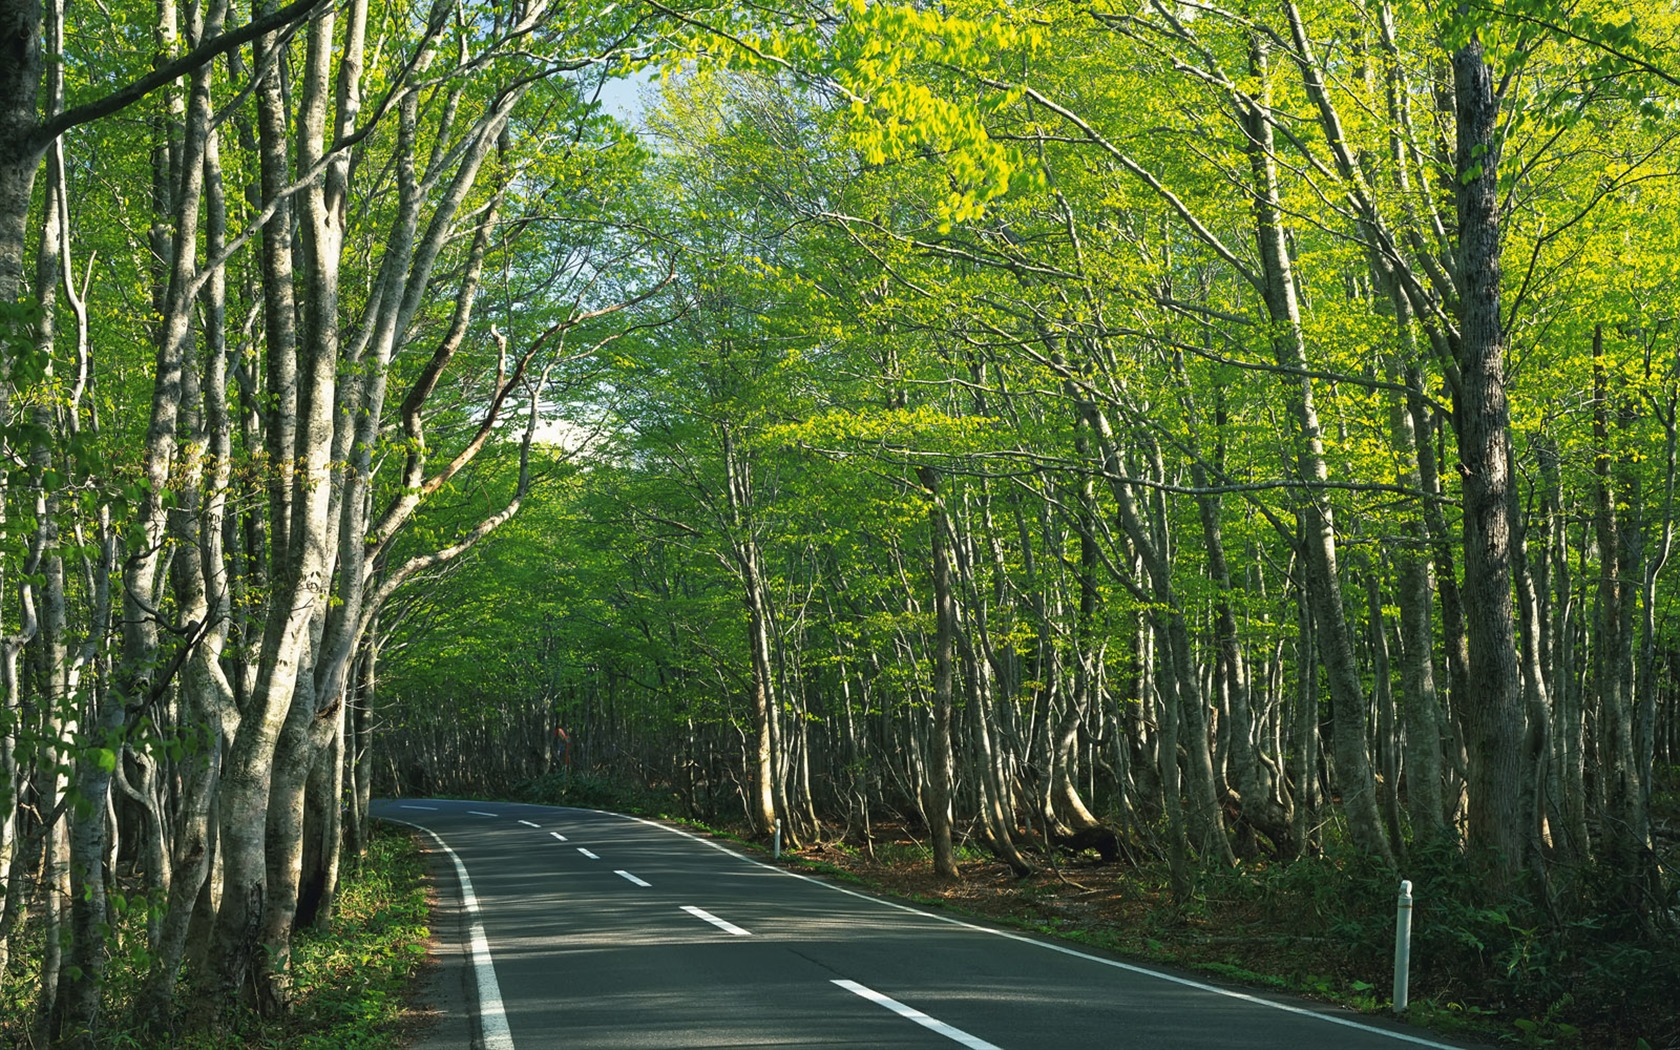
(20,156)
(322,827)
(306,732)
(302,582)
(1493,714)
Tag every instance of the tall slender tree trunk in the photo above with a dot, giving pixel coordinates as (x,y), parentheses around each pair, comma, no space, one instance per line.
(763,771)
(1335,642)
(1183,718)
(1388,732)
(939,771)
(1305,730)
(982,661)
(303,579)
(1419,700)
(358,759)
(1626,831)
(1537,701)
(1264,801)
(1087,656)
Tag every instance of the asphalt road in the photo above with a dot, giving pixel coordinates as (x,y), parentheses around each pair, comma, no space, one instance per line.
(582,929)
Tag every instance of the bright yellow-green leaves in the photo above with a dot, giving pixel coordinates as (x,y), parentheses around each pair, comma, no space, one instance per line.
(881,56)
(926,426)
(896,115)
(908,78)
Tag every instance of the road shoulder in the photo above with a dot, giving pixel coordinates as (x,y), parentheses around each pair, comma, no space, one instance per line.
(446,998)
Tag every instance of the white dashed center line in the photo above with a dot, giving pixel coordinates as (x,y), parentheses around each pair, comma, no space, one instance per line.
(480,813)
(631,878)
(910,1013)
(529,824)
(588,854)
(429,809)
(557,835)
(722,924)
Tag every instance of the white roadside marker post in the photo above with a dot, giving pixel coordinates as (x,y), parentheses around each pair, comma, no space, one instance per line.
(1402,945)
(776,847)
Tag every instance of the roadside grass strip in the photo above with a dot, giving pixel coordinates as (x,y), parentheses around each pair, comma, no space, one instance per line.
(494,1033)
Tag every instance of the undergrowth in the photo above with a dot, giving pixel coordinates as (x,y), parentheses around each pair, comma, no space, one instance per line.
(1566,969)
(1569,967)
(588,790)
(350,981)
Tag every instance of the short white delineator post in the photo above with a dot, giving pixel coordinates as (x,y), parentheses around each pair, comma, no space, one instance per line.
(776,848)
(1402,946)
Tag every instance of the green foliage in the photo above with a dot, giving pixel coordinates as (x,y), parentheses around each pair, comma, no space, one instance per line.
(1587,965)
(351,982)
(588,790)
(887,256)
(355,978)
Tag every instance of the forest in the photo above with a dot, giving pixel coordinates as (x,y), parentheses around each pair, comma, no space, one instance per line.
(1240,436)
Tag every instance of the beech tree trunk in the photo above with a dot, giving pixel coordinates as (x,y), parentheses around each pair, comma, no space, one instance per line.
(1334,639)
(939,767)
(1492,711)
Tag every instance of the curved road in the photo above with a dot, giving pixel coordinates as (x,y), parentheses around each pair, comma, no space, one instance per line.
(584,929)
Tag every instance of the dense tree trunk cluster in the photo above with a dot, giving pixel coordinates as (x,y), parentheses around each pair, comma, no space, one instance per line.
(1194,489)
(1196,433)
(231,326)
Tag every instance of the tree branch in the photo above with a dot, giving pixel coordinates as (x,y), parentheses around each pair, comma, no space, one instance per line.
(208,51)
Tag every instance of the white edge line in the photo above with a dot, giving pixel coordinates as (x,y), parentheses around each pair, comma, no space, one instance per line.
(492,1015)
(479,813)
(723,924)
(529,824)
(621,873)
(1229,993)
(910,1013)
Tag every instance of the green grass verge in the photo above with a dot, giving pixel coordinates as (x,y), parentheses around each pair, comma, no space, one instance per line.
(354,979)
(350,982)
